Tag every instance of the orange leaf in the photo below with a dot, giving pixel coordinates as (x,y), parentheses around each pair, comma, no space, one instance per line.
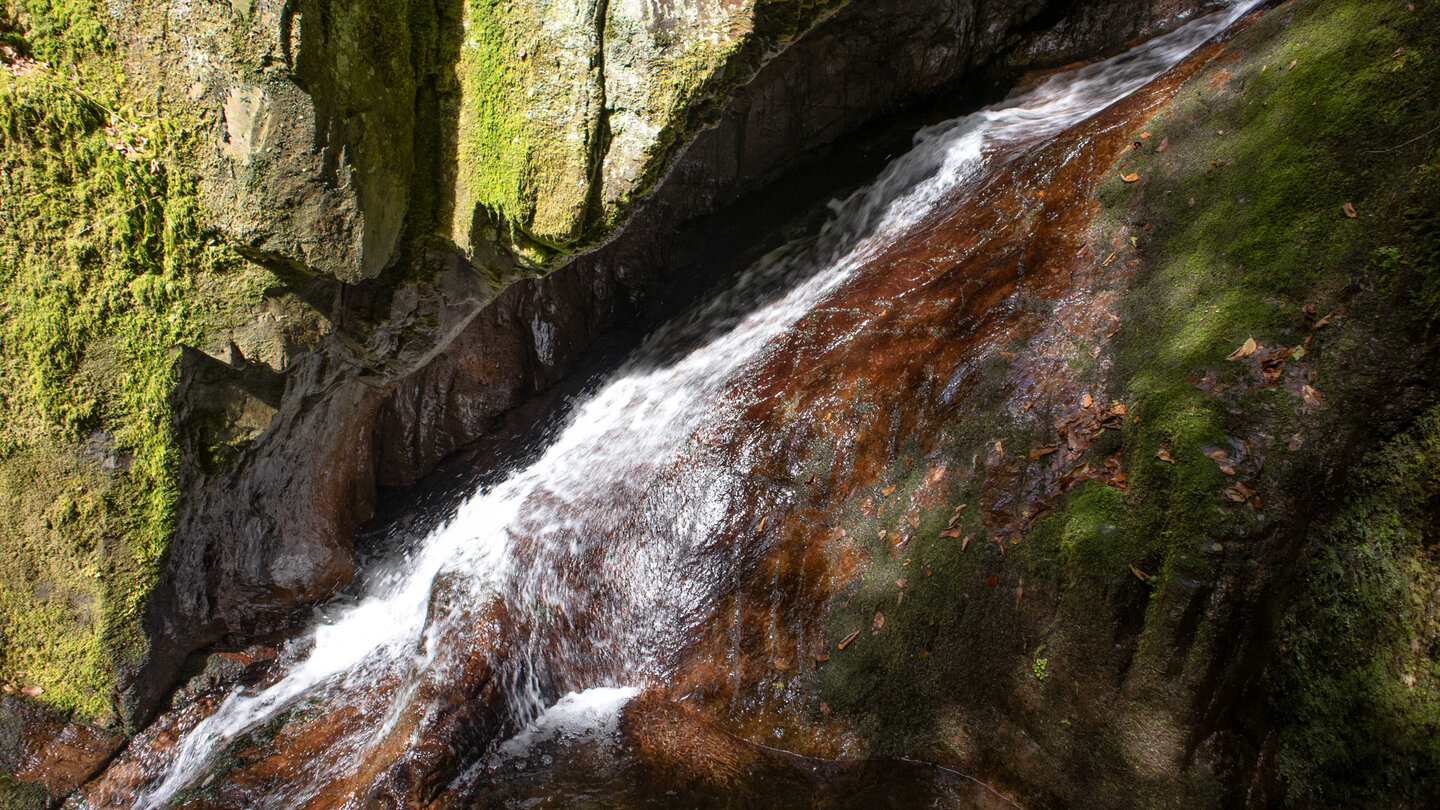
(1041,452)
(888,491)
(1164,455)
(992,581)
(821,658)
(1246,349)
(1130,178)
(966,541)
(1086,401)
(845,642)
(1349,210)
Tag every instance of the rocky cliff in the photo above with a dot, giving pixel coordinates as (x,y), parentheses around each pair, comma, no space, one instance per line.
(300,264)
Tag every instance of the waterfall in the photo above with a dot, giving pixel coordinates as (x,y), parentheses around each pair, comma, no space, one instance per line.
(596,560)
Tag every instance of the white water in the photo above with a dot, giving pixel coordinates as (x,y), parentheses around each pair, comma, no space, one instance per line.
(605,492)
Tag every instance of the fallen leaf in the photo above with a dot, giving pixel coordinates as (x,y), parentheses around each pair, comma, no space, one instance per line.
(1141,575)
(879,621)
(781,664)
(999,448)
(1130,178)
(8,689)
(1312,397)
(964,542)
(1119,409)
(1164,144)
(883,533)
(992,582)
(1227,469)
(1108,260)
(762,524)
(888,491)
(1246,349)
(1349,210)
(953,531)
(1041,452)
(1164,455)
(1296,442)
(913,520)
(1293,64)
(1240,492)
(1325,321)
(825,707)
(845,642)
(902,582)
(1086,401)
(32,691)
(821,658)
(1218,455)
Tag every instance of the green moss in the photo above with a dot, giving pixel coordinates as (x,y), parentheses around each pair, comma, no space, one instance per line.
(1357,683)
(107,269)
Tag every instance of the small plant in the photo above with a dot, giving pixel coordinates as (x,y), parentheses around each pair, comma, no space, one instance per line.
(1039,668)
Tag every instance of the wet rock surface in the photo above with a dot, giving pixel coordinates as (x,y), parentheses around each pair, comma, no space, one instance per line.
(389,375)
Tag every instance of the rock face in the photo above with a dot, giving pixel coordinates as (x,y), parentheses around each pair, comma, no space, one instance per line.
(340,387)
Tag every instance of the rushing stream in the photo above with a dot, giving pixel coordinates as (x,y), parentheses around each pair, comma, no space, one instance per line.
(590,567)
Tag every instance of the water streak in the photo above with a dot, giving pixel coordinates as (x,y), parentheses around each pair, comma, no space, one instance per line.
(602,525)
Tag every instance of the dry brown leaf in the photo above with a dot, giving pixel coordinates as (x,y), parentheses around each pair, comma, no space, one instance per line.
(1041,452)
(913,519)
(781,664)
(965,541)
(1349,210)
(8,689)
(1325,321)
(1140,575)
(1108,260)
(825,707)
(999,448)
(953,531)
(762,524)
(821,658)
(992,581)
(32,691)
(888,491)
(1296,442)
(845,642)
(1217,455)
(1227,469)
(1240,492)
(902,582)
(883,533)
(879,621)
(1293,64)
(1312,397)
(1246,349)
(1086,401)
(1164,455)
(1130,178)
(1164,144)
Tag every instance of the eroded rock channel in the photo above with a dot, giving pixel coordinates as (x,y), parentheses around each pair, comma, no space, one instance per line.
(1028,470)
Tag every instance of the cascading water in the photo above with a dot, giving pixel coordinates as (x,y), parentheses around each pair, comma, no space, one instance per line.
(591,566)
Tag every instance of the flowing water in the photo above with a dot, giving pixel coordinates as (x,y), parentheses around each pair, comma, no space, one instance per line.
(592,566)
